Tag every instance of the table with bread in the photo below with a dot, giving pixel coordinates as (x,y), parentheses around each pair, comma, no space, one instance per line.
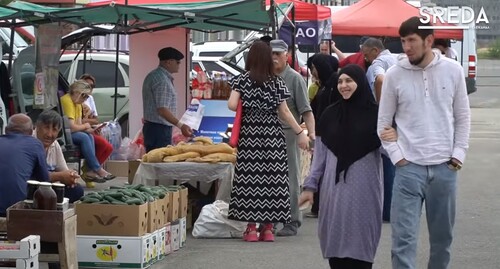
(199,163)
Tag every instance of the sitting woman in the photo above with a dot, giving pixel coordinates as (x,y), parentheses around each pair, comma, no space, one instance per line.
(82,132)
(103,148)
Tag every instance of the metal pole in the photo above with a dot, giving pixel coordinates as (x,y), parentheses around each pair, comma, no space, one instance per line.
(294,29)
(272,11)
(115,99)
(11,53)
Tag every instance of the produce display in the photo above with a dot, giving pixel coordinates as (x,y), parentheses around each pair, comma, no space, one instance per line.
(202,149)
(129,195)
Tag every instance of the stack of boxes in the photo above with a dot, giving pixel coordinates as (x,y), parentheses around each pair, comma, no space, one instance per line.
(131,236)
(24,252)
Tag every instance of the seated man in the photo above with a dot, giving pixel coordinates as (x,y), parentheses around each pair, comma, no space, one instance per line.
(48,126)
(21,158)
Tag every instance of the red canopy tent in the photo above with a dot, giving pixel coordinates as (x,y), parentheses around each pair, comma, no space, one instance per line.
(380,18)
(307,11)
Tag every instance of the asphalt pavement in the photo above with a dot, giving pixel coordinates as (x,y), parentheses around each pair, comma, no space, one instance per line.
(477,230)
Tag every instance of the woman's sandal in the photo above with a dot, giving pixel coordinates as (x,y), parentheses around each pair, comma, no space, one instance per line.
(96,179)
(109,176)
(250,234)
(266,234)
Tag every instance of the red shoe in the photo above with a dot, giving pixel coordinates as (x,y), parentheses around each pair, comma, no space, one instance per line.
(250,235)
(266,234)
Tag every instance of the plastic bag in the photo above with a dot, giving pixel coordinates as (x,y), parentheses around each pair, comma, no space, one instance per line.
(213,223)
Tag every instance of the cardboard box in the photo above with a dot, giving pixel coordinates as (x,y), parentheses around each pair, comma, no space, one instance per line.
(161,243)
(133,165)
(168,238)
(167,207)
(162,206)
(183,201)
(31,263)
(26,248)
(176,236)
(182,232)
(118,168)
(113,251)
(153,216)
(173,213)
(113,220)
(154,247)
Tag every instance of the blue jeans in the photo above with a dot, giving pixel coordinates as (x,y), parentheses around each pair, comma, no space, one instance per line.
(389,170)
(156,135)
(87,147)
(414,184)
(73,194)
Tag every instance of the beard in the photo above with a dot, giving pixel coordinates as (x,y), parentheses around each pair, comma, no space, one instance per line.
(418,60)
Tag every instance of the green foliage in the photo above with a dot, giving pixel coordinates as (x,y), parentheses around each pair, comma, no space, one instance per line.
(494,50)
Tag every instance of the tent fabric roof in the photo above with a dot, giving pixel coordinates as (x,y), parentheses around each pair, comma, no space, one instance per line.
(379,18)
(309,12)
(149,15)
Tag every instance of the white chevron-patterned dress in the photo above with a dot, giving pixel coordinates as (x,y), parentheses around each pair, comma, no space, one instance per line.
(260,190)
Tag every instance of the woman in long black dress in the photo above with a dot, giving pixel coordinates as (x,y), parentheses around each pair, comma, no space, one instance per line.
(260,192)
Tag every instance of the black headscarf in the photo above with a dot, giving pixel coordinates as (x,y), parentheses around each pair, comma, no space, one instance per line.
(349,127)
(326,67)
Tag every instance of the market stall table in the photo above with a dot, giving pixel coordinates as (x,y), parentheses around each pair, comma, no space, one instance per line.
(199,175)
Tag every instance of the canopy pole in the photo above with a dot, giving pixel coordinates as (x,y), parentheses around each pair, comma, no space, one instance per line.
(11,44)
(115,99)
(273,19)
(294,29)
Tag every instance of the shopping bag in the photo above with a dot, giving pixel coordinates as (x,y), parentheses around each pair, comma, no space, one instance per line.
(235,131)
(213,222)
(193,115)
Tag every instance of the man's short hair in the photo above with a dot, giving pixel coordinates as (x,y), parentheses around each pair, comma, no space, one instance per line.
(442,42)
(19,124)
(374,43)
(49,118)
(411,26)
(266,38)
(88,76)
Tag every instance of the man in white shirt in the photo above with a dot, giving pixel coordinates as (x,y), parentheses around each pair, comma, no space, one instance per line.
(380,60)
(48,126)
(444,46)
(425,94)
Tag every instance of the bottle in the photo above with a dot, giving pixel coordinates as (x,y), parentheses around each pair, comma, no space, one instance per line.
(45,197)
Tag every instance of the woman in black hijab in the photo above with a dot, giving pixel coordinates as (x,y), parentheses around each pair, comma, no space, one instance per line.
(324,69)
(348,154)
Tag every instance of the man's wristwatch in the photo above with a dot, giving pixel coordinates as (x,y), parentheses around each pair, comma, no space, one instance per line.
(453,165)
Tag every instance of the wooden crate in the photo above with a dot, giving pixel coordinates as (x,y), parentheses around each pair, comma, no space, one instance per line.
(22,220)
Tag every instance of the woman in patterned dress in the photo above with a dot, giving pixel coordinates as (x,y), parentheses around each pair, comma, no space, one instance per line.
(260,192)
(348,158)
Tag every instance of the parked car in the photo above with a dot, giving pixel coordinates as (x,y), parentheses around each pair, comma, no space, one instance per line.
(102,66)
(211,64)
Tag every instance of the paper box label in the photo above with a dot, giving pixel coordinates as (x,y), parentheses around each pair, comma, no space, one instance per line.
(182,232)
(161,243)
(168,239)
(113,251)
(175,235)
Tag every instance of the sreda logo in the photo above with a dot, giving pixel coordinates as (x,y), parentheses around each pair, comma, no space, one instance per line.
(106,253)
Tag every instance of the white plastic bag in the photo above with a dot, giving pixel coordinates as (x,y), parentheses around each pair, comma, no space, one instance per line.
(213,223)
(193,115)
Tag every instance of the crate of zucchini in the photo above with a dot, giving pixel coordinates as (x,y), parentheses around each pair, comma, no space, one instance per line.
(123,211)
